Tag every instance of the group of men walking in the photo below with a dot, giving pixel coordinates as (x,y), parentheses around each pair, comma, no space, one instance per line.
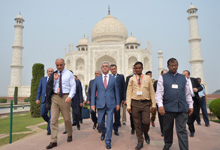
(109,94)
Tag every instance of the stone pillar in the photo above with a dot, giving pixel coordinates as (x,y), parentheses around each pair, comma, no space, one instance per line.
(160,61)
(16,66)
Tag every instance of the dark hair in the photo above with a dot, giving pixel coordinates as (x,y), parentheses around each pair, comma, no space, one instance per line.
(199,78)
(113,65)
(148,72)
(139,63)
(171,60)
(187,71)
(162,71)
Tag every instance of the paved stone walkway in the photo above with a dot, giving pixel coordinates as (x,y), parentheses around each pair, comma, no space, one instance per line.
(206,138)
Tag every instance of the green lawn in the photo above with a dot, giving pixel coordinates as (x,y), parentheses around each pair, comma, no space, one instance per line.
(14,138)
(20,122)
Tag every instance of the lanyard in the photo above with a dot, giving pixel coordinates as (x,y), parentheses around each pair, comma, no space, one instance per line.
(138,81)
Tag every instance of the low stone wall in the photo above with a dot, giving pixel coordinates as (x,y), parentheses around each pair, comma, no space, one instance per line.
(209,96)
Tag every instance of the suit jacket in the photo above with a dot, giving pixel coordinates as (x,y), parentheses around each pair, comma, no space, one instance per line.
(49,90)
(78,98)
(108,97)
(126,83)
(195,84)
(121,86)
(90,90)
(41,92)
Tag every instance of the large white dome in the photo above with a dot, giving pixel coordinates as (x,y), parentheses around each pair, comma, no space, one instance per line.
(109,29)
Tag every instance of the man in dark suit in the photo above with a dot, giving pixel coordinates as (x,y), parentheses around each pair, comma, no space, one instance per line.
(160,116)
(93,113)
(41,92)
(195,87)
(126,86)
(107,101)
(121,86)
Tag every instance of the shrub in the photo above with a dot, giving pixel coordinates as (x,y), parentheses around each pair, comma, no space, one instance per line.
(16,96)
(37,74)
(214,107)
(3,100)
(27,99)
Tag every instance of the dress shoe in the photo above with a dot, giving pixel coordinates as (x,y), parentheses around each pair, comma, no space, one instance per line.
(207,125)
(81,121)
(166,148)
(199,124)
(108,146)
(191,134)
(102,136)
(116,133)
(153,124)
(69,138)
(147,139)
(132,131)
(78,127)
(139,146)
(74,124)
(124,123)
(64,132)
(94,126)
(51,145)
(48,132)
(162,135)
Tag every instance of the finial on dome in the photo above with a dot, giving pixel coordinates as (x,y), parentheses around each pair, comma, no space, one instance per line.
(108,9)
(131,33)
(19,13)
(84,35)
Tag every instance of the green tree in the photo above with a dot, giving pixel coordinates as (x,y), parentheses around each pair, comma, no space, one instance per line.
(16,96)
(37,74)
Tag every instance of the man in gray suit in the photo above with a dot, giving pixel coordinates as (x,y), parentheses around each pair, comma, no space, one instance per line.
(107,101)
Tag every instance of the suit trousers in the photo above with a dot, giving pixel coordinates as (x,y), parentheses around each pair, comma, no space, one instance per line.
(117,120)
(93,116)
(141,117)
(160,121)
(44,114)
(123,112)
(59,105)
(193,117)
(180,122)
(204,111)
(109,122)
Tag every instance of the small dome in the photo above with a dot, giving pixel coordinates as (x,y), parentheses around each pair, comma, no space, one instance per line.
(19,17)
(109,29)
(131,40)
(191,6)
(83,41)
(160,52)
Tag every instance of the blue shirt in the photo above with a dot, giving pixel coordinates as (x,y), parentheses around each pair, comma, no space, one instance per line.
(203,92)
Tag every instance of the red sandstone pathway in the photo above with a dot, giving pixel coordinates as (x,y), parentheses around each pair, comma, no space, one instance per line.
(206,138)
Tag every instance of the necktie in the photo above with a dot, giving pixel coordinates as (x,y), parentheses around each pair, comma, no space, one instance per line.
(105,82)
(60,85)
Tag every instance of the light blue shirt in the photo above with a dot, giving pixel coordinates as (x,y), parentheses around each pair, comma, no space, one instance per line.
(203,92)
(68,83)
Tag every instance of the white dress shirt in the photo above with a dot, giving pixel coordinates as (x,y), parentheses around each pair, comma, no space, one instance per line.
(107,78)
(83,92)
(68,83)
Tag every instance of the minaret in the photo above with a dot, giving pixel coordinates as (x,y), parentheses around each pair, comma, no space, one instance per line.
(196,60)
(160,63)
(16,66)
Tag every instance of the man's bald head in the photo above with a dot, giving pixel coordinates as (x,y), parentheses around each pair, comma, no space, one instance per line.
(60,64)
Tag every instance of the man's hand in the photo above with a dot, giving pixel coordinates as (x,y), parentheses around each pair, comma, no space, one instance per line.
(37,101)
(153,109)
(68,100)
(161,111)
(56,76)
(129,111)
(195,90)
(88,102)
(93,108)
(125,103)
(81,104)
(190,111)
(117,107)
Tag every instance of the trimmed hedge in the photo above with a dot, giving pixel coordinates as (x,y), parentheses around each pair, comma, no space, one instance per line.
(214,107)
(37,74)
(3,100)
(27,99)
(16,96)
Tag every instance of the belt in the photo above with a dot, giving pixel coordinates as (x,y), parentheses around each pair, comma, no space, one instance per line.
(63,93)
(143,101)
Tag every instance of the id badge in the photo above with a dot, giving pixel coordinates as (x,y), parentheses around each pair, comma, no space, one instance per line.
(174,86)
(139,92)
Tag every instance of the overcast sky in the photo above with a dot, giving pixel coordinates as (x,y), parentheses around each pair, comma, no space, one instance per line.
(51,25)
